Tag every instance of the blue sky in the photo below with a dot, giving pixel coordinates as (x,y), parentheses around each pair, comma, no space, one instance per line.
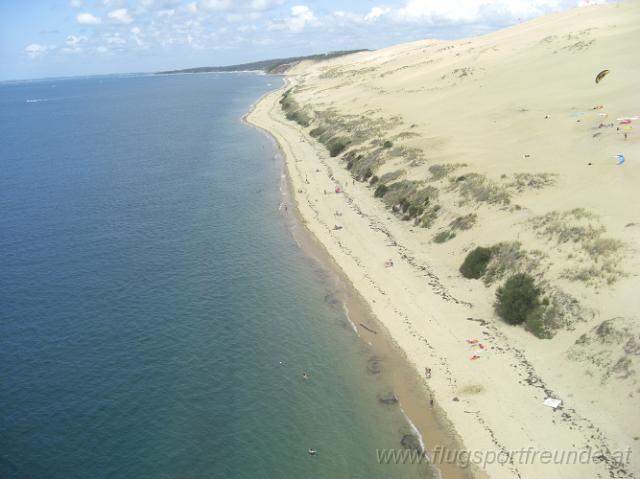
(41,38)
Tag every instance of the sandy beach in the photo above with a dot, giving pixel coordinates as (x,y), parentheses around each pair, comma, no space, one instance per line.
(522,148)
(406,384)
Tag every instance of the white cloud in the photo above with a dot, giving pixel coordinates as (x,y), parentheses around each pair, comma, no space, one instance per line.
(87,19)
(375,13)
(264,42)
(247,28)
(216,4)
(138,36)
(114,39)
(120,15)
(470,11)
(167,12)
(242,17)
(75,3)
(484,14)
(102,49)
(265,4)
(347,17)
(35,50)
(301,16)
(72,40)
(73,44)
(192,7)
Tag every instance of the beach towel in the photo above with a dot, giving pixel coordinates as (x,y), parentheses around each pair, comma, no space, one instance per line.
(552,403)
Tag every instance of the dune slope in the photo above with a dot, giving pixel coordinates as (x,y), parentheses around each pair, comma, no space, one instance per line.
(503,141)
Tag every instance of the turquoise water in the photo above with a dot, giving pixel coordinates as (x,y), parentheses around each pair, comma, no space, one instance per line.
(151,288)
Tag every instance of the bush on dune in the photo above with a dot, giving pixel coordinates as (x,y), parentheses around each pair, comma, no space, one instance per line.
(292,110)
(517,299)
(475,264)
(337,145)
(300,117)
(380,191)
(538,323)
(316,132)
(444,236)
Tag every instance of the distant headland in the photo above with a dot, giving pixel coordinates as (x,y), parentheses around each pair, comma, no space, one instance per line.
(277,65)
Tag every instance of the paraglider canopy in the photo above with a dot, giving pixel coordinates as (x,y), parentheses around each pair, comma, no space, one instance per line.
(601,75)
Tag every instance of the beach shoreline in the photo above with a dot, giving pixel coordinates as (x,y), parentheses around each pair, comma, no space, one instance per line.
(426,419)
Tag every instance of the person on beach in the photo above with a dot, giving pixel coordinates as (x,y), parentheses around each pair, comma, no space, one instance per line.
(427,373)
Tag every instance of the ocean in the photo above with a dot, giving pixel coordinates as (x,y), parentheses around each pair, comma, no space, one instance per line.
(157,313)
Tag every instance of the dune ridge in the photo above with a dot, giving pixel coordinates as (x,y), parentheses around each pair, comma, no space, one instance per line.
(404,160)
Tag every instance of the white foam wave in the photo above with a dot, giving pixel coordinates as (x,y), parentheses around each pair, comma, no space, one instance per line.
(414,429)
(346,313)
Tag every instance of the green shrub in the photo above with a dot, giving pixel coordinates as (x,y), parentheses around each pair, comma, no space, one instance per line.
(475,264)
(374,179)
(441,171)
(422,197)
(400,190)
(430,216)
(390,176)
(337,145)
(464,222)
(537,324)
(387,144)
(444,236)
(285,98)
(381,190)
(317,131)
(478,188)
(293,110)
(517,298)
(287,102)
(415,210)
(300,117)
(506,257)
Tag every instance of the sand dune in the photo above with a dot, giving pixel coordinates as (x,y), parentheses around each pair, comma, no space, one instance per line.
(503,141)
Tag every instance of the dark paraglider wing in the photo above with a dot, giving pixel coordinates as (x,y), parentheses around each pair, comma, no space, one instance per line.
(601,75)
